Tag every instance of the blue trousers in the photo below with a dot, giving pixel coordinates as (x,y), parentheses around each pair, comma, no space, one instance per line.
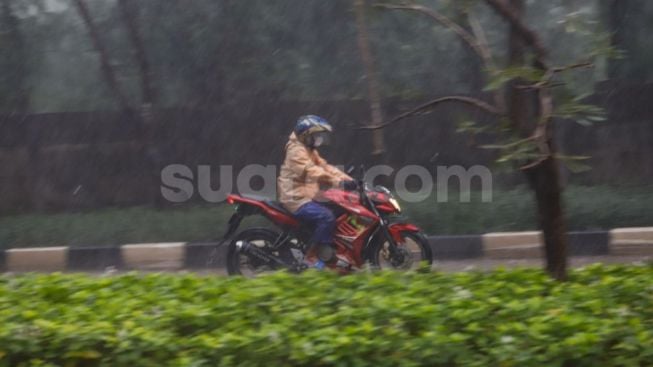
(320,218)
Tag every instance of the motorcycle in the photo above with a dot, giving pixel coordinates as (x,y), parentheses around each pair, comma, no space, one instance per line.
(369,231)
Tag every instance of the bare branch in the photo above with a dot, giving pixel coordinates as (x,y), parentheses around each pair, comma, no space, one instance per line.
(580,65)
(483,43)
(479,33)
(529,35)
(107,68)
(545,151)
(426,107)
(130,17)
(546,81)
(538,86)
(469,38)
(534,163)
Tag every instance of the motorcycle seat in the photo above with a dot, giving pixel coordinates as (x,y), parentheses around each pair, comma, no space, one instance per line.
(255,197)
(270,203)
(278,207)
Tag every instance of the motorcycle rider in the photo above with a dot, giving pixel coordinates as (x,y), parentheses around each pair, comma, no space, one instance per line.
(301,175)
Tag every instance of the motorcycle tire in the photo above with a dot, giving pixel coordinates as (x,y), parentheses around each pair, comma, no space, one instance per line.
(415,247)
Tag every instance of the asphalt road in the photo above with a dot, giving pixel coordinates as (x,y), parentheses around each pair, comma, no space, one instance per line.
(485,264)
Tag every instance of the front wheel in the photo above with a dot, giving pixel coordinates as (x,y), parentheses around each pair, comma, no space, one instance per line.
(413,251)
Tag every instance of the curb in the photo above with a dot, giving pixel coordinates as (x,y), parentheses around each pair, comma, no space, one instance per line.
(183,255)
(632,241)
(530,245)
(154,256)
(513,245)
(36,259)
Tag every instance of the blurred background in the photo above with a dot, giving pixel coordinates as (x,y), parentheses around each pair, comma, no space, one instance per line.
(97,96)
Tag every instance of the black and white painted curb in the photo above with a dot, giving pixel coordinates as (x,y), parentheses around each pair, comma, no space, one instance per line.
(182,255)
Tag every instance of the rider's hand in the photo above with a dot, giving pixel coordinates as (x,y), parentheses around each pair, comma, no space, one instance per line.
(349,185)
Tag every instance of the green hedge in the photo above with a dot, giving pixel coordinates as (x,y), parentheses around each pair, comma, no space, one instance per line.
(602,317)
(589,208)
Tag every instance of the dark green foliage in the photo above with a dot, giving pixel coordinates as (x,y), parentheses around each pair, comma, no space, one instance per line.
(206,53)
(14,92)
(588,208)
(602,317)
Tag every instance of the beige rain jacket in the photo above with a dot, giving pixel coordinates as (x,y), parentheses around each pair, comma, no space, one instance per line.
(302,173)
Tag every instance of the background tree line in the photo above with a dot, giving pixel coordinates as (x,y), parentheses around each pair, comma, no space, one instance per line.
(202,53)
(511,60)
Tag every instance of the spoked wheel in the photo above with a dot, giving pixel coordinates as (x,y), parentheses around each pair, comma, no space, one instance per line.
(413,251)
(239,263)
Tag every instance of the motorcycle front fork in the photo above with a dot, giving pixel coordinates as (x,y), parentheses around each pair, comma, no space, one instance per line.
(392,245)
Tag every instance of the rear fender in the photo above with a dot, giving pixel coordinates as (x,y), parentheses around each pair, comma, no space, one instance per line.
(248,207)
(232,226)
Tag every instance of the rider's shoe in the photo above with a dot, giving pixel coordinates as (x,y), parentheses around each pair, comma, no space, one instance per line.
(315,264)
(312,260)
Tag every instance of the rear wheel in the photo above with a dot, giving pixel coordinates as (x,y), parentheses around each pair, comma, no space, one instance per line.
(413,251)
(240,264)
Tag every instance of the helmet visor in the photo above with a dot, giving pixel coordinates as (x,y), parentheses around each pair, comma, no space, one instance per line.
(321,138)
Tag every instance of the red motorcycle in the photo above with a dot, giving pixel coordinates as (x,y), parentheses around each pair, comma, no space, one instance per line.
(369,230)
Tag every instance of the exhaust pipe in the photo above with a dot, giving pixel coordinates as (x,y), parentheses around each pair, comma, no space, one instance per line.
(256,252)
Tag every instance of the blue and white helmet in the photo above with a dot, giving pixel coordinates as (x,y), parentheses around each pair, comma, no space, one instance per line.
(313,131)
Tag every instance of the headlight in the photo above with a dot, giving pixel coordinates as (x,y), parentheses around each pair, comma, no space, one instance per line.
(395,203)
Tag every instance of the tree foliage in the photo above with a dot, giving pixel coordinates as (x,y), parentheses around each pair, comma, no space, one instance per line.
(219,52)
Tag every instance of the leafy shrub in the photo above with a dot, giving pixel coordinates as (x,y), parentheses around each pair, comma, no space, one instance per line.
(602,317)
(588,208)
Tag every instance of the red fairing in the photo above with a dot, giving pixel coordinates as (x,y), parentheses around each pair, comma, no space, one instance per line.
(386,208)
(382,202)
(350,201)
(350,238)
(271,213)
(396,229)
(378,197)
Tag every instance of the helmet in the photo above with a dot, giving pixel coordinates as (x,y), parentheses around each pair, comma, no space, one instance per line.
(313,131)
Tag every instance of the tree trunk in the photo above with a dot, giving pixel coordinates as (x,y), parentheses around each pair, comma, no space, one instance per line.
(616,18)
(14,98)
(520,101)
(130,17)
(544,178)
(130,11)
(545,182)
(378,146)
(107,69)
(15,91)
